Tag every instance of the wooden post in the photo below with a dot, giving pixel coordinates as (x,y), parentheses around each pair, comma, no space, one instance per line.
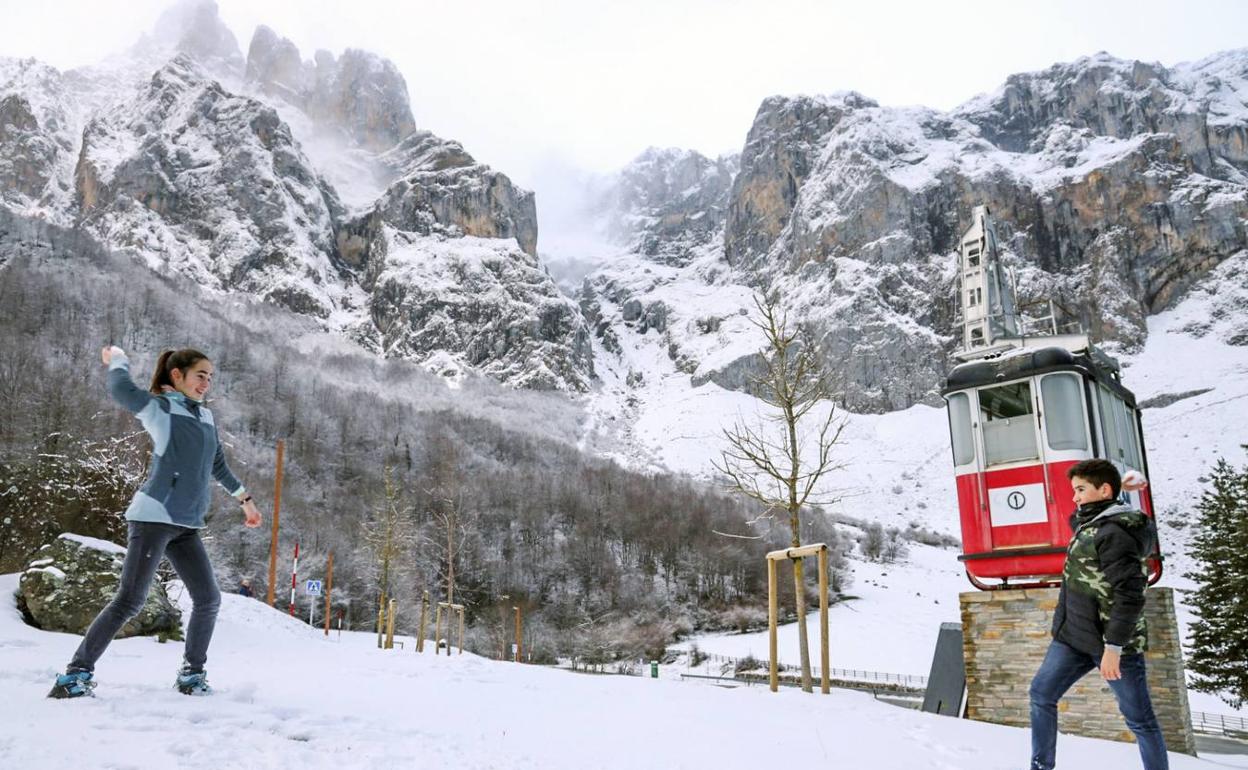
(820,549)
(437,630)
(329,588)
(772,613)
(461,630)
(424,614)
(518,633)
(277,512)
(825,681)
(390,627)
(381,623)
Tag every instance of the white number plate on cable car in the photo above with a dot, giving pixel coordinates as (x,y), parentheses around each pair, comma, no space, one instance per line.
(1022,504)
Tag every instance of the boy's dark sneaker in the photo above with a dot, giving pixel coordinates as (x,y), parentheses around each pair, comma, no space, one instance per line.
(74,684)
(192,682)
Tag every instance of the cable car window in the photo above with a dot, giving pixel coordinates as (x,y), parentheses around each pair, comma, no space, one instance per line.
(1126,433)
(1063,412)
(960,429)
(1137,454)
(1113,446)
(1009,427)
(1120,442)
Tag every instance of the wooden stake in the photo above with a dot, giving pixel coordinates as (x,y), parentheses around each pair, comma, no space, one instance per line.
(790,554)
(329,589)
(772,613)
(381,622)
(825,681)
(518,633)
(461,631)
(390,627)
(424,614)
(277,512)
(437,631)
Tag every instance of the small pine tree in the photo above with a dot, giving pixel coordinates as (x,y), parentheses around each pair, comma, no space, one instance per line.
(1219,641)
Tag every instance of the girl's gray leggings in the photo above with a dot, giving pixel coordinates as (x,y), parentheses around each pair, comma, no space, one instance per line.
(147,543)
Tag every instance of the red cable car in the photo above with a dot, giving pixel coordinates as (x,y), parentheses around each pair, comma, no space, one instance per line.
(1023,408)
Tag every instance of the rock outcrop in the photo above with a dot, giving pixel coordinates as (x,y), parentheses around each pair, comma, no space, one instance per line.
(474,302)
(72,578)
(441,187)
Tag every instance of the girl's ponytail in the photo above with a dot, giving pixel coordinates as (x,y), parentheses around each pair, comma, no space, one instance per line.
(167,362)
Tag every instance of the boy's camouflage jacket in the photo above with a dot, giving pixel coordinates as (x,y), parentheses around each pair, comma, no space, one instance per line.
(1102,597)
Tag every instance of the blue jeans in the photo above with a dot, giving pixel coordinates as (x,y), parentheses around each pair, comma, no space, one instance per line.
(148,542)
(1063,666)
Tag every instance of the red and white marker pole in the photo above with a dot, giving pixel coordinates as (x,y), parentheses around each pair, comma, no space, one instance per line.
(294,570)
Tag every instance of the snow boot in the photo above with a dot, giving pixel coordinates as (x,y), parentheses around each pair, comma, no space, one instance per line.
(73,684)
(192,682)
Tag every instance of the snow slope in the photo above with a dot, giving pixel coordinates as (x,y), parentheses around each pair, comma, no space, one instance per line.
(288,697)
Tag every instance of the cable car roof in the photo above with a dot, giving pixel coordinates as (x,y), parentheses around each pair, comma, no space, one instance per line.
(1033,361)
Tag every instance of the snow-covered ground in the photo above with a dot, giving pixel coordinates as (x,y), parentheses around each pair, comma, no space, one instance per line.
(288,697)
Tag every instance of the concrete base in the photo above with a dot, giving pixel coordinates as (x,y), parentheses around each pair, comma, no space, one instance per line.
(1004,638)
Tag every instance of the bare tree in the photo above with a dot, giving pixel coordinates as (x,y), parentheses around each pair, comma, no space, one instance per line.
(765,462)
(445,500)
(389,535)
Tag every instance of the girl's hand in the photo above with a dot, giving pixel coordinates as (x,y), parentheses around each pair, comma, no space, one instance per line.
(106,355)
(251,515)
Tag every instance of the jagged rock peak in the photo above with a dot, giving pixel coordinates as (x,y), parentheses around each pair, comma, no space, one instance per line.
(360,93)
(273,63)
(667,202)
(194,27)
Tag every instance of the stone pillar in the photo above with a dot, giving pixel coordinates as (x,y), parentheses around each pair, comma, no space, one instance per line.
(1004,637)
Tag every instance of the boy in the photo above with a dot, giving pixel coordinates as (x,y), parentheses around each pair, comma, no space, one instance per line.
(1099,622)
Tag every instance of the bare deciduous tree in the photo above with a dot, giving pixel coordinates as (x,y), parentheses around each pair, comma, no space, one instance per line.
(765,461)
(389,534)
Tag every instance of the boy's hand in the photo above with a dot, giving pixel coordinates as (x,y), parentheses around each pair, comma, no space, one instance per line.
(1133,481)
(1109,665)
(251,515)
(106,355)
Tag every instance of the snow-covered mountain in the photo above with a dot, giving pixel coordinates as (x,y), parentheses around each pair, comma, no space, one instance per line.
(1116,186)
(228,170)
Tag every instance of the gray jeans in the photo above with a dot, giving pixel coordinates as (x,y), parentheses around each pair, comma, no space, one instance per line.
(147,543)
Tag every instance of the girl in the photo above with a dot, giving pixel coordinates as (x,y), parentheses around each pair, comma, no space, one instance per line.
(166,513)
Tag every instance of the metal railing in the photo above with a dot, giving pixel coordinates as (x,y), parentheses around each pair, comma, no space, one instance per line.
(906,680)
(1220,724)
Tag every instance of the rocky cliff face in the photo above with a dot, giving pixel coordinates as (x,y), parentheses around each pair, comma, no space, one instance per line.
(212,185)
(37,136)
(1115,185)
(479,303)
(667,203)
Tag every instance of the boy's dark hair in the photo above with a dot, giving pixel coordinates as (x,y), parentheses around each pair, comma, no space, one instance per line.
(1098,472)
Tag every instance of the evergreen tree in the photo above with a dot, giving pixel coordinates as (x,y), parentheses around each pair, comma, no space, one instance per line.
(1219,641)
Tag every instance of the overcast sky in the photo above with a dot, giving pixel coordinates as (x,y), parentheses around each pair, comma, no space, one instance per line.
(532,86)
